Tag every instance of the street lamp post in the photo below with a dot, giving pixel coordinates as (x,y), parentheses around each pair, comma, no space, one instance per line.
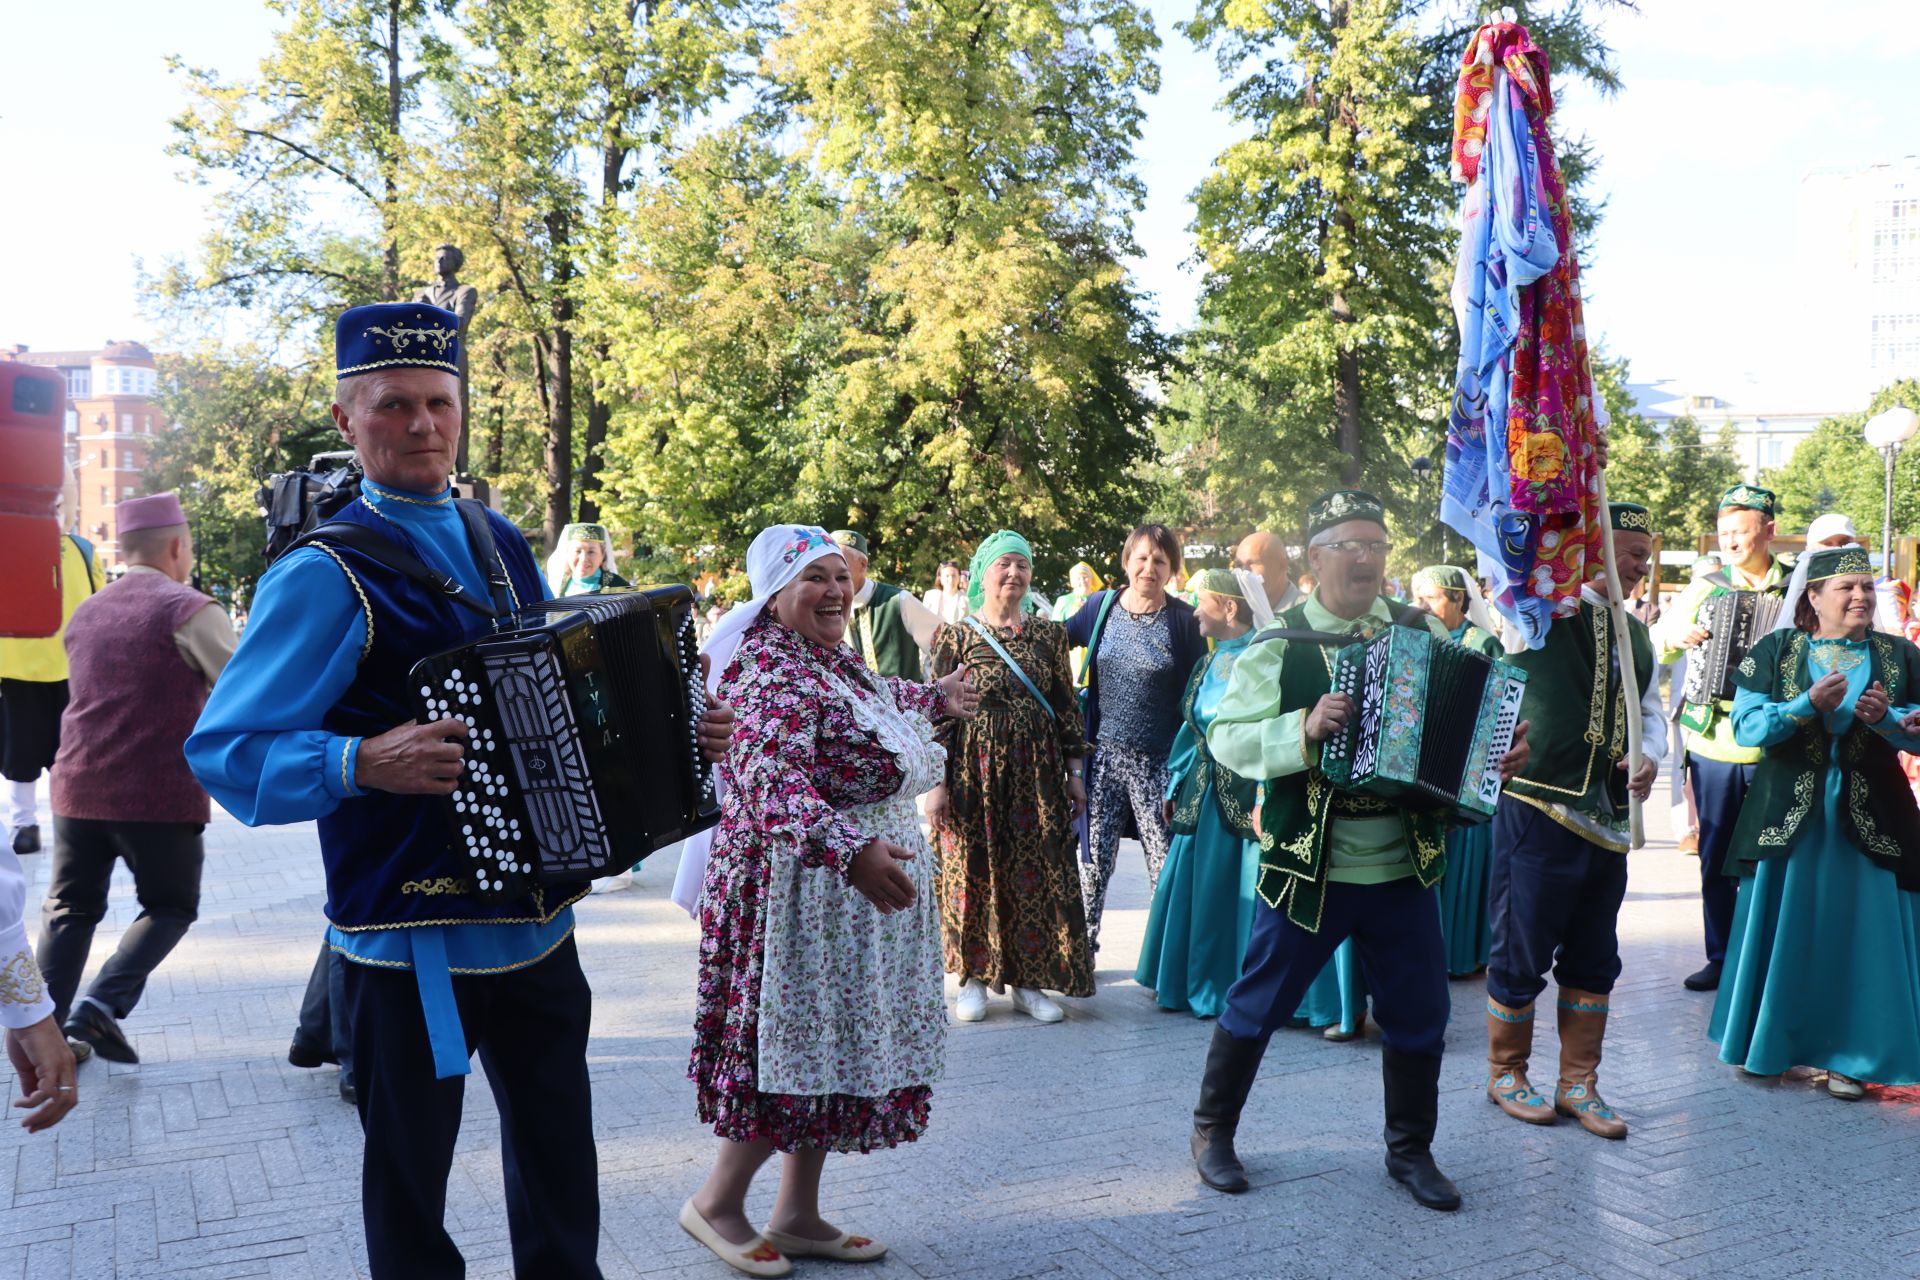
(1422,470)
(1887,431)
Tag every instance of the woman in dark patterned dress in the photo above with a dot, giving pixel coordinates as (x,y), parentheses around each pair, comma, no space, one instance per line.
(818,867)
(1009,881)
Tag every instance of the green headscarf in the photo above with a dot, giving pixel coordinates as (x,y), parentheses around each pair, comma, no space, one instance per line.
(992,548)
(1220,582)
(1444,577)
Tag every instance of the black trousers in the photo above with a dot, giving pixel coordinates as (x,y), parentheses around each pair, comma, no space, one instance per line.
(30,726)
(1719,789)
(165,858)
(1396,931)
(530,1028)
(323,1011)
(1555,900)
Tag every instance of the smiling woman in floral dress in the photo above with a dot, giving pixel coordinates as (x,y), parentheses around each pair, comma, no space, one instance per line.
(818,866)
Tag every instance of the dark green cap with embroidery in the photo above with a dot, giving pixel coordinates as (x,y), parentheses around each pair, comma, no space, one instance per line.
(1630,517)
(1341,506)
(1750,497)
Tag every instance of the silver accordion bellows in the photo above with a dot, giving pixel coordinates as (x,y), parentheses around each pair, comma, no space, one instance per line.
(582,756)
(1735,621)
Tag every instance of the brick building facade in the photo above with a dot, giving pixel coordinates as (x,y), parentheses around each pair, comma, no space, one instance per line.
(111,422)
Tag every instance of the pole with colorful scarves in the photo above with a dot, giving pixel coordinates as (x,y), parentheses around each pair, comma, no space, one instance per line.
(1523,477)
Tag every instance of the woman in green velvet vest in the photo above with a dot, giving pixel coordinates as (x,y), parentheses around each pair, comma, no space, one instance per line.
(1823,967)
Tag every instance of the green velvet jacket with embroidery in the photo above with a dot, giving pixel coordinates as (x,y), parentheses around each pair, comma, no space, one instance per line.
(1878,815)
(1297,812)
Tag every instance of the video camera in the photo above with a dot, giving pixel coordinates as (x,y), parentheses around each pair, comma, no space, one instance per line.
(294,502)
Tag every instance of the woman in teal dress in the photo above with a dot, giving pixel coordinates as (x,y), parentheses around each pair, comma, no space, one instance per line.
(1451,596)
(1823,968)
(1203,907)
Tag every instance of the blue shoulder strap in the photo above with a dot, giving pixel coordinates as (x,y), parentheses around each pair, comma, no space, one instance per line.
(1001,652)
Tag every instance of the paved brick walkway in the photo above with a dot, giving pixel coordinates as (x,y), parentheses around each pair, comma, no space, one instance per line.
(1055,1151)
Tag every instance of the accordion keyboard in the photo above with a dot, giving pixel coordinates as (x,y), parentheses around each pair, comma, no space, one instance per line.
(493,838)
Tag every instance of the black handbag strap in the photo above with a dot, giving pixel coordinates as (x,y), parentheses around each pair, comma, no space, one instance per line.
(385,551)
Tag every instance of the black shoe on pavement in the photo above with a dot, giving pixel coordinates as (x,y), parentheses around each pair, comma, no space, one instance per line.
(348,1094)
(1232,1064)
(306,1057)
(26,839)
(88,1024)
(1413,1110)
(1707,979)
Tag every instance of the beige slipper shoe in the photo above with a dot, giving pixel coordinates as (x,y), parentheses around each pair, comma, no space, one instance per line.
(848,1248)
(755,1258)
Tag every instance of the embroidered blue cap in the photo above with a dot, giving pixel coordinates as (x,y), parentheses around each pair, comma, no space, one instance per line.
(395,335)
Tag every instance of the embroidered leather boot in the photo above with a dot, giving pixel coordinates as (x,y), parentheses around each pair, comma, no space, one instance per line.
(1509,1045)
(1232,1064)
(1413,1110)
(1583,1025)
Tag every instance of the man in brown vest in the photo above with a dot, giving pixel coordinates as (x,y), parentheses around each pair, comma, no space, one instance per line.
(142,654)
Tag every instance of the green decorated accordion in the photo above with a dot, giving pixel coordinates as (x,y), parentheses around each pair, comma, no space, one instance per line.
(1434,720)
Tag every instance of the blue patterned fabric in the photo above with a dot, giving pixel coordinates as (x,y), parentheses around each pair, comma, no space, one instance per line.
(395,335)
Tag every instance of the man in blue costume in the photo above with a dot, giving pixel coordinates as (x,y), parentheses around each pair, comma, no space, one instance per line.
(312,720)
(1334,864)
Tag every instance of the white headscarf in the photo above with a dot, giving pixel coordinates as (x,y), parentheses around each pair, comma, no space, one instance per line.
(775,558)
(1253,589)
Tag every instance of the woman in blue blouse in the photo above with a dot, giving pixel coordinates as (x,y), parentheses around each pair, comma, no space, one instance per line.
(1823,967)
(1142,644)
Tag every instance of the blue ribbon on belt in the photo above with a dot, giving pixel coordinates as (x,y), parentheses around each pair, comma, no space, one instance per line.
(445,1035)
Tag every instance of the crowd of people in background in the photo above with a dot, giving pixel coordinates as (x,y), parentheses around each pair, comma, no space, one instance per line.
(917,786)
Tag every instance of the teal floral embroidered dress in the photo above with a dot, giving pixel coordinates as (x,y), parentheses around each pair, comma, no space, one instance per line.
(1823,965)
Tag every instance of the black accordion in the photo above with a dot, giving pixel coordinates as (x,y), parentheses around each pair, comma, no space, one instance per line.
(1434,720)
(1735,622)
(582,758)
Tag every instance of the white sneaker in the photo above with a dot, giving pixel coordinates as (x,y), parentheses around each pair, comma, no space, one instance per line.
(613,884)
(1037,1005)
(972,1004)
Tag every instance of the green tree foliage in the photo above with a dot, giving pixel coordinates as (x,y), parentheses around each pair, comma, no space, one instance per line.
(237,416)
(318,163)
(1678,474)
(1326,351)
(1834,469)
(991,371)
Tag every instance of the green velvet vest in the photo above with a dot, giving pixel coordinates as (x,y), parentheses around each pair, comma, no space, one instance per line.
(1234,794)
(880,636)
(1878,815)
(1577,709)
(1297,811)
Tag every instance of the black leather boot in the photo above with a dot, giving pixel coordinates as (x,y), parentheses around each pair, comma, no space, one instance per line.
(1232,1064)
(1413,1105)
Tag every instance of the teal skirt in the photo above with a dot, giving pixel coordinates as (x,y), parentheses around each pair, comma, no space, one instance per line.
(1198,925)
(1201,916)
(1464,921)
(1823,968)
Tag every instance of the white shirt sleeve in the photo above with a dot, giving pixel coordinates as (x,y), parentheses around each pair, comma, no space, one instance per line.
(23,996)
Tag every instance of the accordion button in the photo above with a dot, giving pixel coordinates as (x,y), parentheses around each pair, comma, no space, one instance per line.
(426,690)
(455,673)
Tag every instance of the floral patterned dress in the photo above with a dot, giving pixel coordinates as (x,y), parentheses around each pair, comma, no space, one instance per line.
(1009,856)
(825,756)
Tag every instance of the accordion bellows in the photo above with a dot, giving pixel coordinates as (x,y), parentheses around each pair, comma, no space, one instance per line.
(1735,621)
(582,756)
(1434,720)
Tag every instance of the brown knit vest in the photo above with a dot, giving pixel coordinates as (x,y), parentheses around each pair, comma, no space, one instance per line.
(132,701)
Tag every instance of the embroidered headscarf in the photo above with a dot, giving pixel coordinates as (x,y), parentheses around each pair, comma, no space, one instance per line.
(990,549)
(776,556)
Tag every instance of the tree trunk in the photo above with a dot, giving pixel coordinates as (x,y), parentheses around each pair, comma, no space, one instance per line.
(390,160)
(560,376)
(599,413)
